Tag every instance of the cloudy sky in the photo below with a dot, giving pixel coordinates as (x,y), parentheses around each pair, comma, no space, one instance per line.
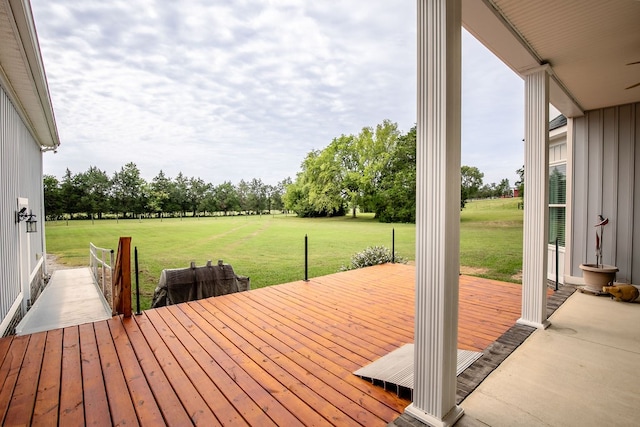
(231,90)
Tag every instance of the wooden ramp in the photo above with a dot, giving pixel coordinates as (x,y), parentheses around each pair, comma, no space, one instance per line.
(71,298)
(281,355)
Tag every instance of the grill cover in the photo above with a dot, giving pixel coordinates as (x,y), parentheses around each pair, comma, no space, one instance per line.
(189,284)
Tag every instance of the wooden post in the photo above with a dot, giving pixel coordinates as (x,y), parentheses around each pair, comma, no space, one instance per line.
(122,278)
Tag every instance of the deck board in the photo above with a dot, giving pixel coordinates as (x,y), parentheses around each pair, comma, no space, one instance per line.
(71,398)
(23,399)
(282,355)
(45,412)
(94,391)
(9,372)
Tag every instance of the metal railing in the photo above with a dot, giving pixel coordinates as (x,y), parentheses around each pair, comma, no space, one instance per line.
(101,262)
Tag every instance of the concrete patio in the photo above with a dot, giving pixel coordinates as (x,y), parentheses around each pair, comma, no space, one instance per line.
(581,371)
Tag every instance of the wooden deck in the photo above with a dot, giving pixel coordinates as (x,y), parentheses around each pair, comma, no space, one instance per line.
(282,355)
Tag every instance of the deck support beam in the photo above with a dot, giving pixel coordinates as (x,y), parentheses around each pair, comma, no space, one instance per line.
(536,211)
(437,212)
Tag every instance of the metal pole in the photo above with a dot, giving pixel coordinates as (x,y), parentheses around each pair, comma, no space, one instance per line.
(557,269)
(306,258)
(393,246)
(137,283)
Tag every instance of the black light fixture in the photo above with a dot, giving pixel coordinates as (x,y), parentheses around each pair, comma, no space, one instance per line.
(29,218)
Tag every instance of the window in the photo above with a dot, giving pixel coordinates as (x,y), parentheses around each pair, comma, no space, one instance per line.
(557,202)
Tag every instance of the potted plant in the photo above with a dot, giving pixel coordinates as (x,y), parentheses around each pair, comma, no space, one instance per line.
(599,274)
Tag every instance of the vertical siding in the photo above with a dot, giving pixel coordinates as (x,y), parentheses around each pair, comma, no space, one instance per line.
(626,185)
(20,176)
(607,181)
(580,194)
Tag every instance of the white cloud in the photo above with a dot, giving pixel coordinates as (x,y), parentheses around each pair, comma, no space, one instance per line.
(230,90)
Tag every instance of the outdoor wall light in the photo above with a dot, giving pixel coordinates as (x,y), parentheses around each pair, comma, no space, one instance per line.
(29,218)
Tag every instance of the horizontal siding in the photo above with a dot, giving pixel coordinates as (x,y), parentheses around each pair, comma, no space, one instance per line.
(20,176)
(606,180)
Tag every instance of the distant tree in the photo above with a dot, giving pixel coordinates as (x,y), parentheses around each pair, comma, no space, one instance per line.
(180,194)
(520,182)
(257,196)
(242,190)
(128,191)
(70,194)
(226,197)
(196,190)
(160,191)
(95,187)
(53,199)
(277,194)
(504,188)
(471,181)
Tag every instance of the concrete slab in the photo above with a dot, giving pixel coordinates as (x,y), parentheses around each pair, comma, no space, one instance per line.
(71,298)
(581,371)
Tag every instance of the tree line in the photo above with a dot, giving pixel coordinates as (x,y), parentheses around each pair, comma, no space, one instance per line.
(373,171)
(126,194)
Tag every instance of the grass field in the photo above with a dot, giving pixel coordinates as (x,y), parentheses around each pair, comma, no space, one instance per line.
(270,249)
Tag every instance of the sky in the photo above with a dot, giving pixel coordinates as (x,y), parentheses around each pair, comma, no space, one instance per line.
(231,90)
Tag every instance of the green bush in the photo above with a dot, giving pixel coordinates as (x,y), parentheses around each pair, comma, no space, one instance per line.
(373,255)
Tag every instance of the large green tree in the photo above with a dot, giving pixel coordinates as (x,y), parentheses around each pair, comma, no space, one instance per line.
(395,200)
(347,173)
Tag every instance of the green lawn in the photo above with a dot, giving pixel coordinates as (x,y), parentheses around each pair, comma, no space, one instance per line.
(491,239)
(270,249)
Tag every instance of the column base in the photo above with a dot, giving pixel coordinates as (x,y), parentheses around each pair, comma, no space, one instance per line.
(449,420)
(544,325)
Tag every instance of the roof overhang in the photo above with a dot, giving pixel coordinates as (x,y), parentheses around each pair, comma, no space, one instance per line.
(587,43)
(22,73)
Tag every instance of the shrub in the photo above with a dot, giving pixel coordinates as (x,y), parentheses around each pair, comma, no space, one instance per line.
(372,255)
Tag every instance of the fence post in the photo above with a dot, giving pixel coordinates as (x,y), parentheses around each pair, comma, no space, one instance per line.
(113,266)
(306,258)
(393,246)
(104,270)
(122,278)
(137,282)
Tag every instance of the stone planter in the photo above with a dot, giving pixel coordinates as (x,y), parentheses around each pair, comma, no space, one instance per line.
(595,277)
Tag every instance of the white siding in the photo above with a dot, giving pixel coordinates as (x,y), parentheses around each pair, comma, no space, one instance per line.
(20,176)
(606,179)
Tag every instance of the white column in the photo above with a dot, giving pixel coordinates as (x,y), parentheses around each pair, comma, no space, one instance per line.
(536,198)
(437,213)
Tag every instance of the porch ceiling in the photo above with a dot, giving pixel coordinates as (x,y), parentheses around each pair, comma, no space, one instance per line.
(588,44)
(22,72)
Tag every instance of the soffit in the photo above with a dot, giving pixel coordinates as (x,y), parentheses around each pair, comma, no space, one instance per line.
(587,43)
(21,71)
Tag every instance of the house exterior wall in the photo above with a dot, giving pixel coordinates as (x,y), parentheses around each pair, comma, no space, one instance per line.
(20,177)
(606,180)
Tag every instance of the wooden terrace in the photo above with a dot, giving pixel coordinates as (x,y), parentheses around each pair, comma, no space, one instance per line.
(281,355)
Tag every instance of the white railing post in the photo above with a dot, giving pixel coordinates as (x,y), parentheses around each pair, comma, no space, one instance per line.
(103,273)
(105,267)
